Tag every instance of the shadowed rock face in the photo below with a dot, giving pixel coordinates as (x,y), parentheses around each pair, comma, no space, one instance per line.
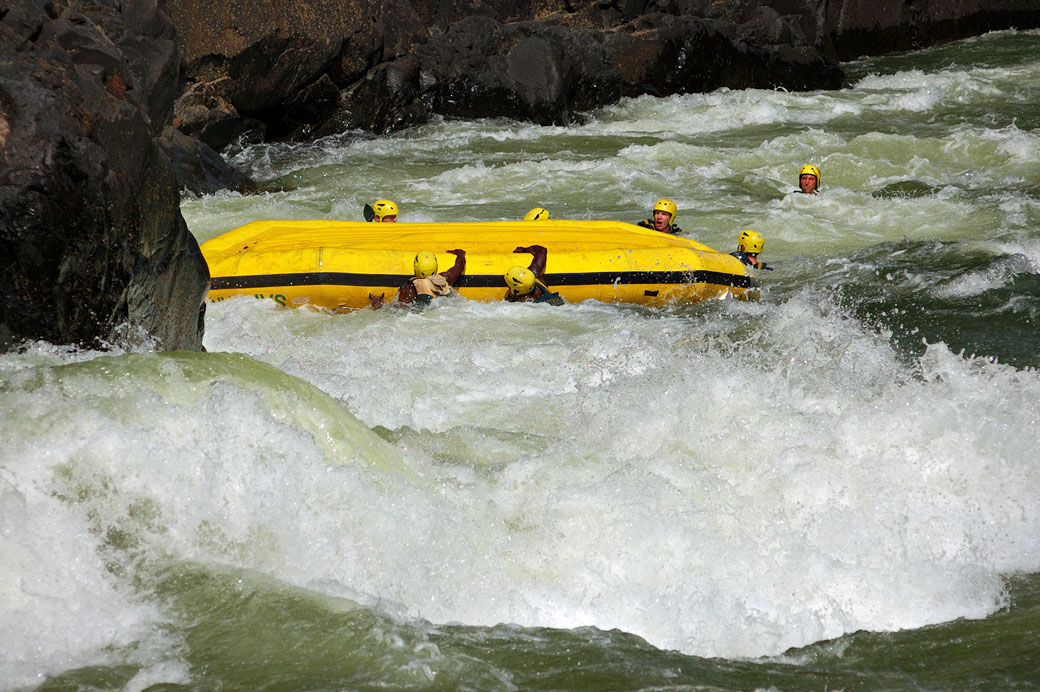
(547,74)
(854,28)
(284,69)
(301,69)
(95,250)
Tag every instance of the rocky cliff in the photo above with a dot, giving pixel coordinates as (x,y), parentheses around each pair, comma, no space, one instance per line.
(288,69)
(294,70)
(94,248)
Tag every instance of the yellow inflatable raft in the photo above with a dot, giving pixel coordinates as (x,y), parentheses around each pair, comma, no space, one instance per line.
(340,264)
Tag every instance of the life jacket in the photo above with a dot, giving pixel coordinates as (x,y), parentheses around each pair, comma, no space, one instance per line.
(432,285)
(546,297)
(551,299)
(742,256)
(649,223)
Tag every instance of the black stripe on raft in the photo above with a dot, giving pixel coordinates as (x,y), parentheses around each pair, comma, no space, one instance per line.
(483,280)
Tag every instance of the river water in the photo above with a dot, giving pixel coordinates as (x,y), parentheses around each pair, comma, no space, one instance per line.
(835,488)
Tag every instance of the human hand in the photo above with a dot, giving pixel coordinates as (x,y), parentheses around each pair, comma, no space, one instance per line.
(457,253)
(522,249)
(376,301)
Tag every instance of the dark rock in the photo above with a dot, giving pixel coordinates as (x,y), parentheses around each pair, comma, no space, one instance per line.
(200,169)
(905,189)
(258,58)
(853,28)
(268,70)
(397,63)
(479,67)
(205,111)
(96,251)
(306,110)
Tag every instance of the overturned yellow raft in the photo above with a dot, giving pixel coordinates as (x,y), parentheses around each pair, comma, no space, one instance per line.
(340,264)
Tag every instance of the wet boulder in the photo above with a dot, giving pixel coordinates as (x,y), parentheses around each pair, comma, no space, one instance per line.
(201,170)
(95,250)
(263,69)
(905,189)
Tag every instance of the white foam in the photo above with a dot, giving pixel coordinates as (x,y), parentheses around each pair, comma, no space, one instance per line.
(802,502)
(133,461)
(58,603)
(586,466)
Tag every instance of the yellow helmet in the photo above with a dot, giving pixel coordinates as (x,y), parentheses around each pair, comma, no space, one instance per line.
(811,170)
(425,264)
(537,214)
(519,281)
(751,241)
(668,206)
(384,207)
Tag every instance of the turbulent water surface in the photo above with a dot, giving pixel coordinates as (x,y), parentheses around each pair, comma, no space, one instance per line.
(834,488)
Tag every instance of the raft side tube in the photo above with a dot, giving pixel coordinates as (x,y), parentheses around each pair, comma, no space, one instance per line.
(338,264)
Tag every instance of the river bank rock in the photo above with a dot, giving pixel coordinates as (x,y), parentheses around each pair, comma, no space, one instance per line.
(854,28)
(95,250)
(283,69)
(199,169)
(548,72)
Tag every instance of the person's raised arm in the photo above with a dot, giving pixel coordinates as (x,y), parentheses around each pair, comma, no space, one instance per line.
(537,265)
(453,274)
